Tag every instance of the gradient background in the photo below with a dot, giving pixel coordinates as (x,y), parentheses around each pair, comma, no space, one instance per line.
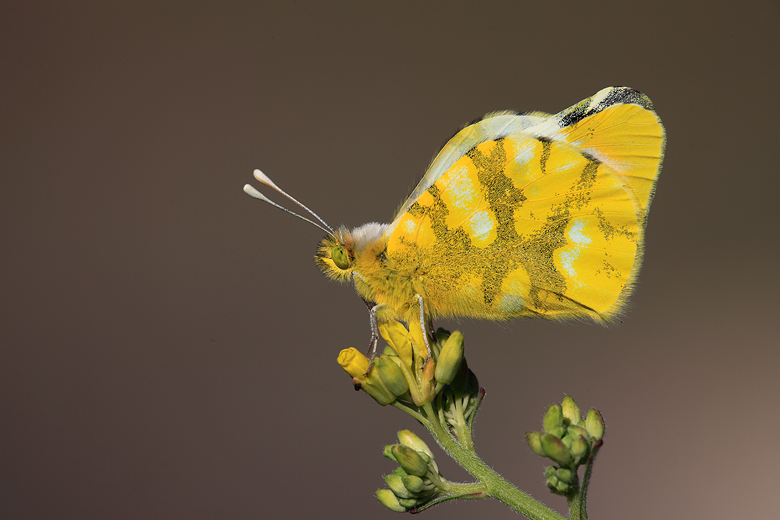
(169,346)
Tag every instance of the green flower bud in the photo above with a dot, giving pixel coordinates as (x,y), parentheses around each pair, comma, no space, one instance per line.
(558,431)
(392,376)
(375,387)
(408,503)
(565,475)
(556,450)
(576,431)
(388,499)
(557,486)
(408,438)
(570,410)
(553,418)
(410,460)
(414,483)
(450,359)
(396,485)
(535,442)
(579,449)
(388,452)
(594,424)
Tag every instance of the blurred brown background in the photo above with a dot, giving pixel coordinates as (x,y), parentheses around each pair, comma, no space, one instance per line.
(169,346)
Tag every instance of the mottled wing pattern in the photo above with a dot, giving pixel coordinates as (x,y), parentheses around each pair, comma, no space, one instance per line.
(543,217)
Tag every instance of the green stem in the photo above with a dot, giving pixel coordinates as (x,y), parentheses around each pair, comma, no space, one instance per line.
(496,486)
(578,502)
(576,507)
(411,411)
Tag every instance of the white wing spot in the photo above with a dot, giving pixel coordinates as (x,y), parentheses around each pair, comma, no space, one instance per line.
(524,152)
(410,226)
(462,188)
(481,225)
(576,235)
(567,258)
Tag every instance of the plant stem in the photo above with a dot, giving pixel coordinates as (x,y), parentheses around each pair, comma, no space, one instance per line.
(497,486)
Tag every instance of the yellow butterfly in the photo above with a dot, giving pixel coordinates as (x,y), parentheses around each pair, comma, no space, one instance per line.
(519,215)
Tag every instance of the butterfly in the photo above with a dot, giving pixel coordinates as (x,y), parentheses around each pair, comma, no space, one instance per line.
(519,215)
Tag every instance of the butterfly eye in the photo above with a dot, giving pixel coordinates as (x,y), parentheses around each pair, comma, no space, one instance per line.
(339,256)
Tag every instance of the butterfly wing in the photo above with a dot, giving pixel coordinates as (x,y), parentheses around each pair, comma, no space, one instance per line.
(618,127)
(534,215)
(492,126)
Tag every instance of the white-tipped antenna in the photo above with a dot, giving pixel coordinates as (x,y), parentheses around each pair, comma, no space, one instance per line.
(252,192)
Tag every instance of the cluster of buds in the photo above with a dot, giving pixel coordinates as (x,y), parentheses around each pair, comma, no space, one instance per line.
(416,481)
(569,441)
(404,370)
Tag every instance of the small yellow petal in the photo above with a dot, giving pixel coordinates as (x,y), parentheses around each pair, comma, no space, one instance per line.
(397,337)
(418,339)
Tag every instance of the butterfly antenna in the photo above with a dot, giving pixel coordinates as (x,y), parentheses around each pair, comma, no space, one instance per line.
(260,176)
(252,192)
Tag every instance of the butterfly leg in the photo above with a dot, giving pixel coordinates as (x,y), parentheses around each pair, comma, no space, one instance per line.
(372,344)
(426,327)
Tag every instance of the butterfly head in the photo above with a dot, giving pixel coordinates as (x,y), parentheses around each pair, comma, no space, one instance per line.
(339,253)
(336,255)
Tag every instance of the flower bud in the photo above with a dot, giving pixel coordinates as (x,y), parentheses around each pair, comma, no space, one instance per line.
(594,424)
(376,389)
(414,483)
(397,337)
(388,499)
(408,438)
(388,452)
(408,503)
(353,362)
(553,418)
(392,376)
(559,431)
(450,358)
(565,474)
(579,449)
(356,364)
(534,441)
(410,460)
(396,485)
(575,431)
(556,450)
(570,410)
